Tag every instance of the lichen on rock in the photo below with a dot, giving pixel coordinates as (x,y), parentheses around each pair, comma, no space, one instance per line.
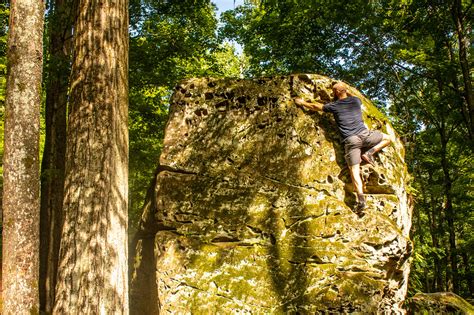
(250,210)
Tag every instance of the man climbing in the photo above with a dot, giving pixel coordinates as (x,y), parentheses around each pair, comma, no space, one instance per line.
(356,137)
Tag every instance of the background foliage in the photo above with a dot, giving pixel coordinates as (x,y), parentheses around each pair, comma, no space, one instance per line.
(170,41)
(407,55)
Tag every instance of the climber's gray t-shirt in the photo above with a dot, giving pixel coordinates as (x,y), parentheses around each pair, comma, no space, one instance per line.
(348,115)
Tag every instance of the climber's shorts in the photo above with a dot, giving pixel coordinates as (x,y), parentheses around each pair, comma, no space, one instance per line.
(362,141)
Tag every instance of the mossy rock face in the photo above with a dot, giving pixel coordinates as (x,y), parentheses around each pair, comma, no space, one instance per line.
(439,303)
(250,210)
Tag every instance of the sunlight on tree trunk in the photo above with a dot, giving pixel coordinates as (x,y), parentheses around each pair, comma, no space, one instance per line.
(21,159)
(52,168)
(92,276)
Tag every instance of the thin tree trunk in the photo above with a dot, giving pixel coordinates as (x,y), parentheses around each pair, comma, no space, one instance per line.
(434,221)
(437,282)
(463,41)
(92,275)
(21,158)
(429,285)
(452,273)
(53,164)
(450,216)
(460,100)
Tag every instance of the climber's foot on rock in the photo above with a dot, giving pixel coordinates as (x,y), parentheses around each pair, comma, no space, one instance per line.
(369,158)
(359,209)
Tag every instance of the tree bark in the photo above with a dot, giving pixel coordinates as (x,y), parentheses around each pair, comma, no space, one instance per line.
(53,164)
(92,276)
(21,158)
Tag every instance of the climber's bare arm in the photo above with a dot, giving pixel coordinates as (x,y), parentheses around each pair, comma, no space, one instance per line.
(314,106)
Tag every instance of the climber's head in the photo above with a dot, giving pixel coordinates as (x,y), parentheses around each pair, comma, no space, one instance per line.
(340,90)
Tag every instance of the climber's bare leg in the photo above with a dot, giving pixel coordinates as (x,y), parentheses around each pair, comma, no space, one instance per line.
(382,144)
(369,155)
(357,182)
(352,147)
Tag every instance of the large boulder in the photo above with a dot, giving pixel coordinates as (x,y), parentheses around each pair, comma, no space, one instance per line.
(250,209)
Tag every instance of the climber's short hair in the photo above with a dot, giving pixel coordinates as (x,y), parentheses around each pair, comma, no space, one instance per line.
(339,86)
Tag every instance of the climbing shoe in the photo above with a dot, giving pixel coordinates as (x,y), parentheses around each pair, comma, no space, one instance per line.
(369,158)
(359,208)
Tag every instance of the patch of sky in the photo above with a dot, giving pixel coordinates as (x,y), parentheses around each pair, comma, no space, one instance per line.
(225,5)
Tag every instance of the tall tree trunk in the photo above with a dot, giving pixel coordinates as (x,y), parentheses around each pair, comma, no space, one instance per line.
(21,158)
(450,216)
(434,231)
(429,285)
(460,99)
(434,219)
(443,127)
(463,41)
(53,164)
(92,275)
(419,230)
